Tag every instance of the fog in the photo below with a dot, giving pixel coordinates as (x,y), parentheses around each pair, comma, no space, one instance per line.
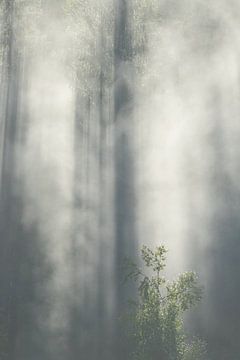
(119,127)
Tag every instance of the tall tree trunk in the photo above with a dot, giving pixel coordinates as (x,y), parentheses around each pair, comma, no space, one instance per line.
(105,232)
(222,259)
(124,148)
(79,314)
(9,202)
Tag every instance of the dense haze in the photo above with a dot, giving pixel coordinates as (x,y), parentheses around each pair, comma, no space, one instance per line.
(119,126)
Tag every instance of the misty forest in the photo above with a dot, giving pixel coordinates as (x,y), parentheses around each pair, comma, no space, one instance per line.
(119,180)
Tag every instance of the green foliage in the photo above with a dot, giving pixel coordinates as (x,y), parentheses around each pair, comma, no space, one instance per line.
(155,322)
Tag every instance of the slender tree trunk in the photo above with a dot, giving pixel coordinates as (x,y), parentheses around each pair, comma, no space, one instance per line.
(124,149)
(105,232)
(9,202)
(102,223)
(78,312)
